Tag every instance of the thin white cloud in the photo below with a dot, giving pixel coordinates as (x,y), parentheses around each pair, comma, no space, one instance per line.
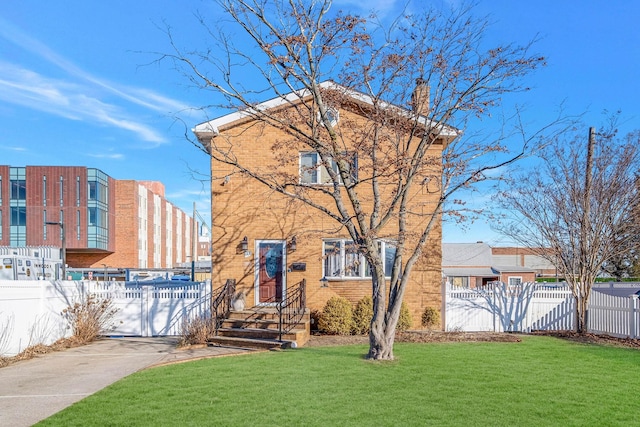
(28,88)
(69,100)
(12,148)
(140,96)
(113,156)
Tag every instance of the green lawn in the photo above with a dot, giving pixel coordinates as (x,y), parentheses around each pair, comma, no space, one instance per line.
(540,381)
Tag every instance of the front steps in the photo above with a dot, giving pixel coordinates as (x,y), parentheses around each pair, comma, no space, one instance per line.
(257,327)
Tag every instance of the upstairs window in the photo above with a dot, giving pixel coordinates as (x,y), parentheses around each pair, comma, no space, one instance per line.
(18,189)
(312,171)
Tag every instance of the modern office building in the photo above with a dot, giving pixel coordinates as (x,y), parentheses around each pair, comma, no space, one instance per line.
(100,221)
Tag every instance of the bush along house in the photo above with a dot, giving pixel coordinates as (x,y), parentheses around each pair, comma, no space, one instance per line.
(278,232)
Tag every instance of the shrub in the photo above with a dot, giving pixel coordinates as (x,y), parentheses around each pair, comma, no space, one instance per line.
(404,321)
(336,317)
(196,331)
(362,315)
(430,317)
(90,317)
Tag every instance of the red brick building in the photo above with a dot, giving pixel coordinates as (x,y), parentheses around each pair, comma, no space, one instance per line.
(106,222)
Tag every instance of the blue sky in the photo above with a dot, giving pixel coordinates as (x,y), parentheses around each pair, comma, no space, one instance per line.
(78,85)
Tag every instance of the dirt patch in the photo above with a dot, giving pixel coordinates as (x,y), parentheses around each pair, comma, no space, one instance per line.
(441,337)
(415,336)
(591,338)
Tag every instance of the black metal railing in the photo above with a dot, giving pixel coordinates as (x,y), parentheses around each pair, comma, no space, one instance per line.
(292,307)
(221,303)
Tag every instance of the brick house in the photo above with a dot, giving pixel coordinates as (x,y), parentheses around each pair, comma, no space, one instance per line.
(266,241)
(525,257)
(473,265)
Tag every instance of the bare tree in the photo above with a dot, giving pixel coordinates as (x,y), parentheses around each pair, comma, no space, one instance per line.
(421,79)
(579,210)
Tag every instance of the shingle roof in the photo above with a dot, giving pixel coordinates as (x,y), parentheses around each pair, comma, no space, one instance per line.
(466,255)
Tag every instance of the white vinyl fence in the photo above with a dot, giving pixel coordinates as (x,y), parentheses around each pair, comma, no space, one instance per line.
(532,306)
(614,315)
(31,311)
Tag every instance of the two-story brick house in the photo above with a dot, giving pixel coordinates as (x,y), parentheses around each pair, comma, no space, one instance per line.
(267,241)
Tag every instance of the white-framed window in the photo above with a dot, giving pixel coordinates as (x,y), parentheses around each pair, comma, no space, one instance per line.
(459,281)
(515,281)
(312,171)
(342,260)
(333,116)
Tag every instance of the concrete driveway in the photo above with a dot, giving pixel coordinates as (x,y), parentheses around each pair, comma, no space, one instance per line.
(35,389)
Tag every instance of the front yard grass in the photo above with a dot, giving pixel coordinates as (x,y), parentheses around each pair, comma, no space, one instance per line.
(540,381)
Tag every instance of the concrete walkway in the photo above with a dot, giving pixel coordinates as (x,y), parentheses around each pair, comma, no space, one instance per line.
(35,389)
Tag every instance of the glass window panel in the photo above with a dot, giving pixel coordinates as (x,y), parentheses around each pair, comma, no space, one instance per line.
(460,281)
(93,216)
(332,259)
(18,189)
(308,168)
(18,216)
(352,260)
(389,258)
(92,190)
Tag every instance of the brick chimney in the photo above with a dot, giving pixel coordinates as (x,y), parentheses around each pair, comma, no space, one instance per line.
(420,97)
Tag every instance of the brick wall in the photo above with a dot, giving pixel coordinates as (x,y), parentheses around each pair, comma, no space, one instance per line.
(241,207)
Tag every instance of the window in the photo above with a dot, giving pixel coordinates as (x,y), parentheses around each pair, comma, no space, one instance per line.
(0,191)
(77,191)
(44,190)
(312,171)
(459,281)
(93,192)
(333,116)
(61,191)
(18,189)
(97,207)
(342,259)
(18,216)
(515,281)
(44,225)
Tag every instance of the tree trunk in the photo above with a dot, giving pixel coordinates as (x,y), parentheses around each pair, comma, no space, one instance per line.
(381,341)
(581,315)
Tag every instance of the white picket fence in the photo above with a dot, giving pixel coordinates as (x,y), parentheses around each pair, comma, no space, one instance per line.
(531,307)
(31,311)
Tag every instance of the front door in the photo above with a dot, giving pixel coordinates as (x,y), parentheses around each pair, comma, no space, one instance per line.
(271,271)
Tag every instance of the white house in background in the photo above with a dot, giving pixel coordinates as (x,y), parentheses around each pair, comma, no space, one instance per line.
(472,265)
